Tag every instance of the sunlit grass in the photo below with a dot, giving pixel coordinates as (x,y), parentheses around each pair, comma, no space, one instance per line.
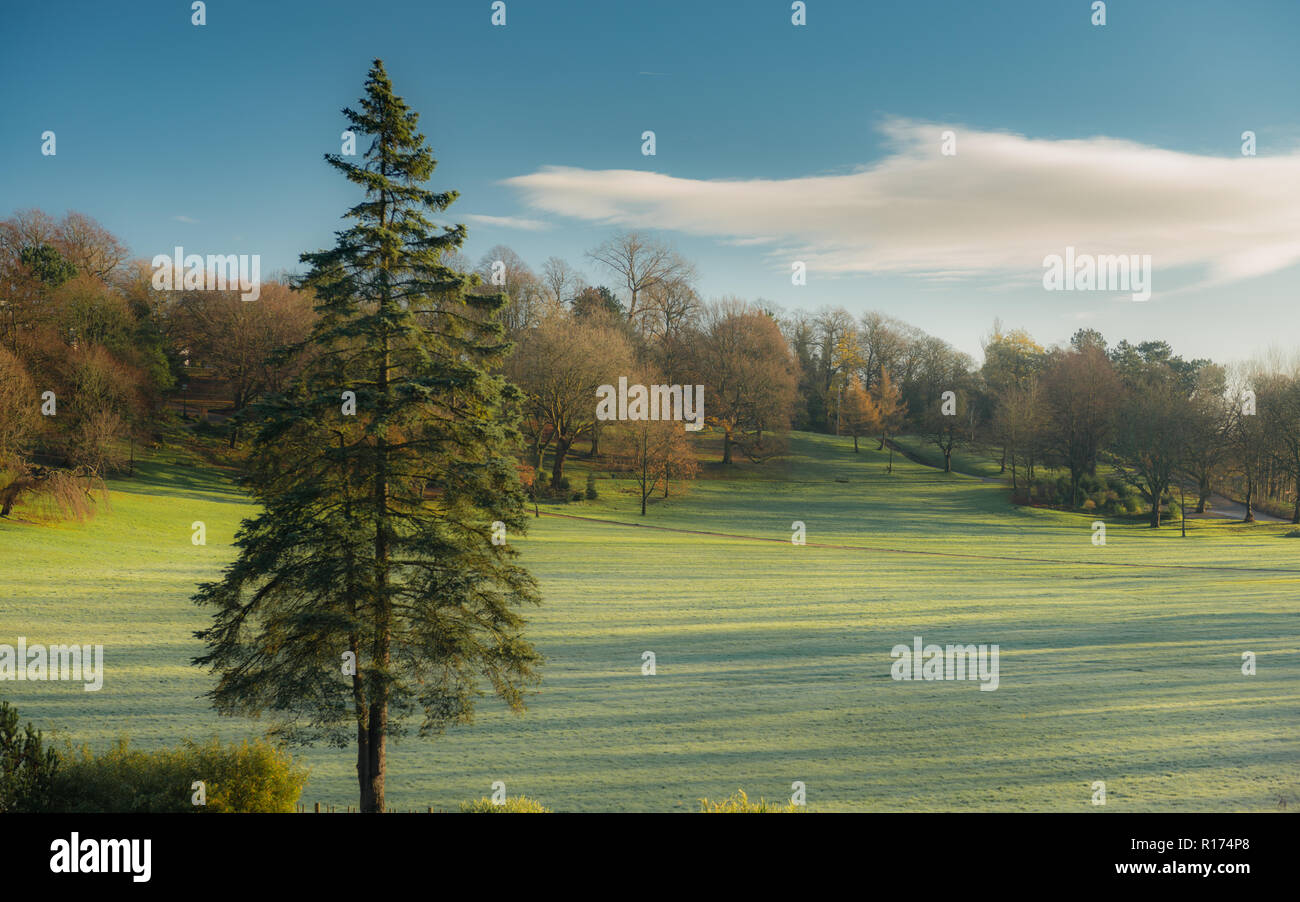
(1119,662)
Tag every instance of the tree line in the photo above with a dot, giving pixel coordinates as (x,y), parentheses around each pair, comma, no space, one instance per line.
(81,320)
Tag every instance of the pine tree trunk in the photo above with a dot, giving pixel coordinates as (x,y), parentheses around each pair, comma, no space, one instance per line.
(372,799)
(363,763)
(372,795)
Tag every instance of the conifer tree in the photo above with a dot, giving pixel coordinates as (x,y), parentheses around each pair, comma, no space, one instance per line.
(368,592)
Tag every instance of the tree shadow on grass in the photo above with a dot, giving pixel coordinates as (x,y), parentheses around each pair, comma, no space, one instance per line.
(180,480)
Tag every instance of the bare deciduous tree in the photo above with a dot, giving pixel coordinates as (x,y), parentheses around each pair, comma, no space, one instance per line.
(560,281)
(653,452)
(642,263)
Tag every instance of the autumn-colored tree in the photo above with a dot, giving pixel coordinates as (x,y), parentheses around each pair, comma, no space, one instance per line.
(891,409)
(1011,360)
(749,376)
(653,452)
(243,342)
(860,414)
(559,364)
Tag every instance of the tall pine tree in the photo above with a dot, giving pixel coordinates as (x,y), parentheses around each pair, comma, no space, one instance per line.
(369,591)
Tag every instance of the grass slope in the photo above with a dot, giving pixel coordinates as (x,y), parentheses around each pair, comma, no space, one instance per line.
(1118,663)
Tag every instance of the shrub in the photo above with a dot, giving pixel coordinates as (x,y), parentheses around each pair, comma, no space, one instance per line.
(1293,534)
(1089,504)
(27,768)
(591,486)
(250,777)
(739,803)
(512,805)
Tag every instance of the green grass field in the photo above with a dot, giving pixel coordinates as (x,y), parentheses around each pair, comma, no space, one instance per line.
(1119,663)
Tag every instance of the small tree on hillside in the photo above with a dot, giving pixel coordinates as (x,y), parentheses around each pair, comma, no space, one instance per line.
(860,415)
(891,409)
(653,452)
(945,424)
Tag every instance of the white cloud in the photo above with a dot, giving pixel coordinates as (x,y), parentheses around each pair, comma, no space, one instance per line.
(185,219)
(1000,205)
(508,222)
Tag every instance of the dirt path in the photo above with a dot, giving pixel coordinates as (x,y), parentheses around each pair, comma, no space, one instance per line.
(1225,509)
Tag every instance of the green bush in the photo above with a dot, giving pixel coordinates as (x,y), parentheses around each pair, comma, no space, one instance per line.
(250,777)
(739,803)
(591,486)
(512,805)
(1112,495)
(27,768)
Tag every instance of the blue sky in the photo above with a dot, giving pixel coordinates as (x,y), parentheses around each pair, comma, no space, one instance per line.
(211,137)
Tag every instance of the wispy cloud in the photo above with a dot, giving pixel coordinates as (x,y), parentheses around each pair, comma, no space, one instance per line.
(508,222)
(186,219)
(1001,204)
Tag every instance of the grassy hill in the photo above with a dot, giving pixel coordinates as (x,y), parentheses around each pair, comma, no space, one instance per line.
(1118,663)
